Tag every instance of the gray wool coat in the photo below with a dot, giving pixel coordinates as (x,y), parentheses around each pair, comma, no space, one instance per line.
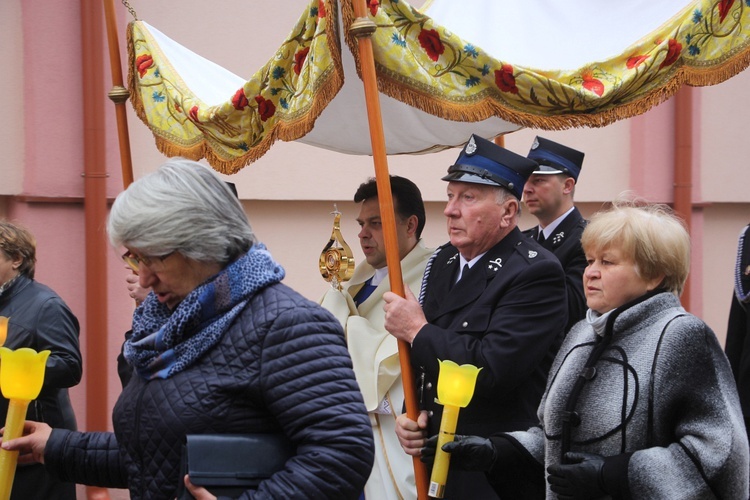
(661,405)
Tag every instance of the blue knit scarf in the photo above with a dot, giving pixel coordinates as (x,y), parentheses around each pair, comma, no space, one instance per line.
(165,342)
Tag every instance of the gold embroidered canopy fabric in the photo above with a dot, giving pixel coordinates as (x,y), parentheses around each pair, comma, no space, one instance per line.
(435,82)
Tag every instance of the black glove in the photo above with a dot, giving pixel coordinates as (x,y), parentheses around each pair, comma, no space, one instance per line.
(581,478)
(467,452)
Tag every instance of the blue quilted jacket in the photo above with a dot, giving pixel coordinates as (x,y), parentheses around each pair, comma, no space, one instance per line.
(283,365)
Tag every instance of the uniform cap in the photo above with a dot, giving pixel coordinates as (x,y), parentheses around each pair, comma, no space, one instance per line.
(484,162)
(554,158)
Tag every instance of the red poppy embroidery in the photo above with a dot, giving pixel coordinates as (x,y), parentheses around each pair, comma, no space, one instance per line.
(143,63)
(239,101)
(635,61)
(266,108)
(194,114)
(373,5)
(724,6)
(592,84)
(674,48)
(299,59)
(430,42)
(321,8)
(505,80)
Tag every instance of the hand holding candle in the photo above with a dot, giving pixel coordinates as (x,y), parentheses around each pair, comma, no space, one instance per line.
(21,378)
(455,388)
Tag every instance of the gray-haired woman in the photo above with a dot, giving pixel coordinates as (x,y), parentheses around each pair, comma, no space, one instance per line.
(219,346)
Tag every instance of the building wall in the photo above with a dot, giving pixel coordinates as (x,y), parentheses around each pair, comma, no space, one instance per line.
(290,192)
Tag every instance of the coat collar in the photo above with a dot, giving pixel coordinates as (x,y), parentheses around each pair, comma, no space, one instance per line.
(16,285)
(364,271)
(451,297)
(563,230)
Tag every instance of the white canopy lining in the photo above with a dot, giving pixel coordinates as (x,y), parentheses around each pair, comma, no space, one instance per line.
(554,34)
(475,66)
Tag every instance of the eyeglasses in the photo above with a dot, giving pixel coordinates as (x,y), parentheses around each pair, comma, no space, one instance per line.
(134,261)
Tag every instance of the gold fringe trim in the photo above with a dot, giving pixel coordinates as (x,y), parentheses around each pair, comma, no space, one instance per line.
(291,131)
(592,117)
(331,84)
(283,130)
(685,75)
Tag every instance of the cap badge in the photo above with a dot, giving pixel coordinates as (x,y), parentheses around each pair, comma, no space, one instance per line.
(532,254)
(535,144)
(471,147)
(495,264)
(558,237)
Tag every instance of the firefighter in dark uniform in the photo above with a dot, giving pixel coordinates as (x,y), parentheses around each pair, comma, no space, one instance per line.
(492,298)
(548,196)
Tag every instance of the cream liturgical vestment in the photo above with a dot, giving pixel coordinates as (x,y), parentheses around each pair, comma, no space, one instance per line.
(374,355)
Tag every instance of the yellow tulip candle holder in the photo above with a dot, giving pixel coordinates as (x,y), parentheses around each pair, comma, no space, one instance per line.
(21,378)
(455,389)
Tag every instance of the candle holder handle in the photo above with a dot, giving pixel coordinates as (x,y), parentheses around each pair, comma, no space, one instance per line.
(8,459)
(442,459)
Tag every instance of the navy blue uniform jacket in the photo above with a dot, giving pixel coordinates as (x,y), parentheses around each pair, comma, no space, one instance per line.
(565,243)
(506,316)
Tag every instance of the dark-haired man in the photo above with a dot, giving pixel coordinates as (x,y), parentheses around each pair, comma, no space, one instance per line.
(374,352)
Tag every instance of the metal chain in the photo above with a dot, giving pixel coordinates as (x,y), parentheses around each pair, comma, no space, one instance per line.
(130,9)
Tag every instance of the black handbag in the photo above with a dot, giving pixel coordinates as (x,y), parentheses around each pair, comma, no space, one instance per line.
(228,464)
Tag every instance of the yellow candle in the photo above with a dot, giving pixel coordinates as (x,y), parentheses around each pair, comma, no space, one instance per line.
(455,389)
(21,379)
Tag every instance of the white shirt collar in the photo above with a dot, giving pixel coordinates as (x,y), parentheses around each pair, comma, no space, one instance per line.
(553,225)
(379,275)
(470,262)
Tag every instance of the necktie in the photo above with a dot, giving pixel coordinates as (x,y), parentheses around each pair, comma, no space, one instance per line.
(364,292)
(541,236)
(464,272)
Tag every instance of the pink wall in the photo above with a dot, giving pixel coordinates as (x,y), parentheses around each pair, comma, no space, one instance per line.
(53,187)
(289,192)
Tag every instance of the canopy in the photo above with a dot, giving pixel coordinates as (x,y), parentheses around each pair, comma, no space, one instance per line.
(449,70)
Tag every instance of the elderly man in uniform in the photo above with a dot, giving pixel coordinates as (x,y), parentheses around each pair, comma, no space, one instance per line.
(548,195)
(493,298)
(374,352)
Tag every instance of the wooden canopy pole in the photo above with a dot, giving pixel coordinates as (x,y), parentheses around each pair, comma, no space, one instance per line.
(96,275)
(119,94)
(363,28)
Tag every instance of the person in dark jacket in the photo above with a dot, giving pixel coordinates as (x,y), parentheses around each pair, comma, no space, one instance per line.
(40,320)
(219,346)
(548,195)
(493,298)
(640,401)
(737,347)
